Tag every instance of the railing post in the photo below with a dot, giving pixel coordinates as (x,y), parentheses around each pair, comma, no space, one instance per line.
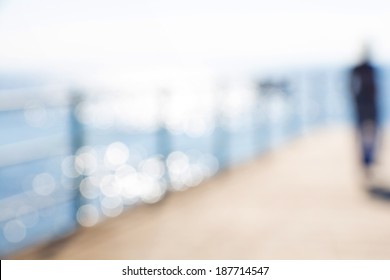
(163,137)
(221,136)
(262,132)
(77,140)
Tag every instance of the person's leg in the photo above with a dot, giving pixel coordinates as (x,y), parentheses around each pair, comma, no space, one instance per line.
(368,141)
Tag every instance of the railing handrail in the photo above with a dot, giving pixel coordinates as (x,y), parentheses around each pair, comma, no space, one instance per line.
(23,98)
(34,149)
(34,202)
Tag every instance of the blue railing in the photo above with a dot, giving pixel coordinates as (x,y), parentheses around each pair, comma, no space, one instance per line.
(70,158)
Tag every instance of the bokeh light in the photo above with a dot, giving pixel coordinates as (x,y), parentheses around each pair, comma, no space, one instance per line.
(112,206)
(89,187)
(86,161)
(68,167)
(116,154)
(87,215)
(44,184)
(14,231)
(36,115)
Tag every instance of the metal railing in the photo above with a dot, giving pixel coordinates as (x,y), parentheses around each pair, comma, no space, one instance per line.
(104,183)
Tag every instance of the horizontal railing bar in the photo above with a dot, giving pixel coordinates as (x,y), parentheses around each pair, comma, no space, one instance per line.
(33,201)
(23,98)
(31,150)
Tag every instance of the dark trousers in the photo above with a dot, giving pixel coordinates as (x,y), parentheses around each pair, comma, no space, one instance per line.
(367,123)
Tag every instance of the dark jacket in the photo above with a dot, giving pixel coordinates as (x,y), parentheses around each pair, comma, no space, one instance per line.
(364,91)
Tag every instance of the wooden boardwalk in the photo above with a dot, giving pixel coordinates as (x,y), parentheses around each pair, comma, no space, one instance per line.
(305,200)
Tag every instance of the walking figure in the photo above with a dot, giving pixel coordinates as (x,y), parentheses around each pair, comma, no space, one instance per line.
(364,91)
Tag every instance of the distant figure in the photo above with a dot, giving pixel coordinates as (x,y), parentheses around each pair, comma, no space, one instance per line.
(364,91)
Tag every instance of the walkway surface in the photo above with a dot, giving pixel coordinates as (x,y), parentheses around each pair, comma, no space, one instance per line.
(303,201)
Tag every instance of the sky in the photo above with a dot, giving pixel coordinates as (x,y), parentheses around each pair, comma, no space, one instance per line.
(96,37)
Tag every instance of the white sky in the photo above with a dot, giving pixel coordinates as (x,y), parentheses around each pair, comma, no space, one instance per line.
(87,35)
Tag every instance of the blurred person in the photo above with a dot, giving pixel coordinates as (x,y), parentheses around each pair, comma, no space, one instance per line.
(364,92)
